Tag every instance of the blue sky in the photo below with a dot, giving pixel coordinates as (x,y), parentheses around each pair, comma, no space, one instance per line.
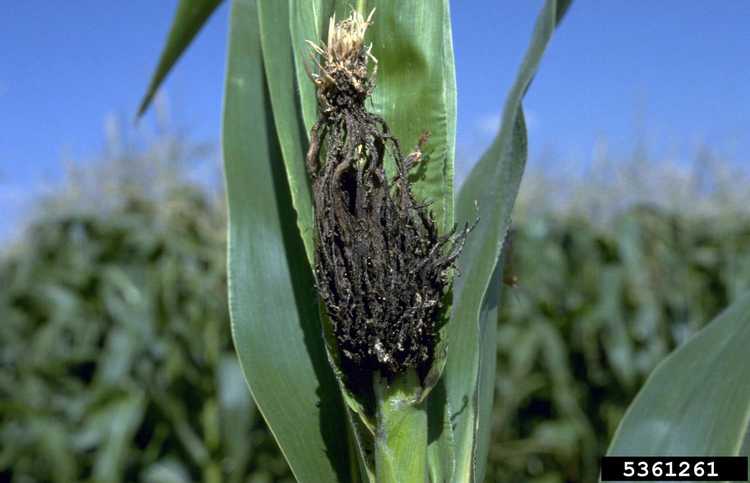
(673,73)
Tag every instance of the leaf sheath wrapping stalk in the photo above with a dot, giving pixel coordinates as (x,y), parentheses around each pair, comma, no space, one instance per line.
(401,439)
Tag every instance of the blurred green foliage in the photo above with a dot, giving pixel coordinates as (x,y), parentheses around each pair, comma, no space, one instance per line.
(116,361)
(595,309)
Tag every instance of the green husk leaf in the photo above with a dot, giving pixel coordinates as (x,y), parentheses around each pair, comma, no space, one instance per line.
(308,21)
(415,91)
(278,58)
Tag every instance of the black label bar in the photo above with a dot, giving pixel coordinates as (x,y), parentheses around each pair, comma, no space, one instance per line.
(674,468)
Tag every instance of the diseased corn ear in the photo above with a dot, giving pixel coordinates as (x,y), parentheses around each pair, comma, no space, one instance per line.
(381,266)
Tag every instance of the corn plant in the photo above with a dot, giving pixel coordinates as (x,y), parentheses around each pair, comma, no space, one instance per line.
(363,292)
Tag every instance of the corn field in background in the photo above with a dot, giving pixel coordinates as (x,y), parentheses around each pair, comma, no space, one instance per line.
(116,361)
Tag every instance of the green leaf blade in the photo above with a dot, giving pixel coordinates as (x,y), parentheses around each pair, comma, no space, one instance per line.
(490,188)
(486,381)
(274,314)
(697,401)
(190,17)
(441,458)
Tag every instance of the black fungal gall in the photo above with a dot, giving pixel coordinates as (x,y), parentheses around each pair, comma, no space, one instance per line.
(381,267)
